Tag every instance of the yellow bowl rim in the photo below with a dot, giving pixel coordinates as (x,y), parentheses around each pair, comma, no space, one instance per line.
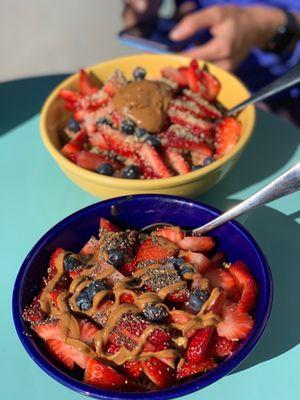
(142,184)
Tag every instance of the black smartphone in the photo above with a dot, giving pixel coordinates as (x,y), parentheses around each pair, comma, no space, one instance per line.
(153,35)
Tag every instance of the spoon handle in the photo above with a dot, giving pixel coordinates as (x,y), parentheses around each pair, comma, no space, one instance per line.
(287,80)
(285,184)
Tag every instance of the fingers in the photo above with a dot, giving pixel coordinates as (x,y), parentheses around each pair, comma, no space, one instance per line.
(209,51)
(140,6)
(194,22)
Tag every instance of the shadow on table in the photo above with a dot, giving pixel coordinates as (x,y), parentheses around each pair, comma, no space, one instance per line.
(272,145)
(278,235)
(23,98)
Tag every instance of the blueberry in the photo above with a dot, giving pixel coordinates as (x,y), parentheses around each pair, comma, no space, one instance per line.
(95,287)
(208,160)
(152,140)
(155,312)
(128,126)
(73,125)
(115,257)
(104,121)
(177,261)
(186,268)
(139,73)
(140,132)
(131,172)
(83,301)
(71,262)
(196,167)
(197,299)
(106,169)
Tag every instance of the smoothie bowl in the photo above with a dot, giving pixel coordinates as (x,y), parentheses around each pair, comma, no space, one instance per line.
(135,315)
(146,123)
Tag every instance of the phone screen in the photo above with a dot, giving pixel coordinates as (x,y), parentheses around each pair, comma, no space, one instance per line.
(153,35)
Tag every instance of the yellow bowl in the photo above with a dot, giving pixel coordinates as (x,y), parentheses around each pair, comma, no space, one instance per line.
(54,116)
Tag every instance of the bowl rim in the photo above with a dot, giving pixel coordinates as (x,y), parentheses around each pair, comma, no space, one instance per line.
(140,184)
(168,393)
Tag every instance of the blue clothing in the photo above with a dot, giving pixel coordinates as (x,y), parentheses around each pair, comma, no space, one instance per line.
(261,68)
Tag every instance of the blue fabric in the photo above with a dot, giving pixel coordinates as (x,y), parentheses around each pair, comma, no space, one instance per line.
(261,68)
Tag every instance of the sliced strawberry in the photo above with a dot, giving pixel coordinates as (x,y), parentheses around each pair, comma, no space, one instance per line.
(103,376)
(179,296)
(53,259)
(193,76)
(132,326)
(176,161)
(54,295)
(75,273)
(74,146)
(174,75)
(124,145)
(218,304)
(87,331)
(126,298)
(108,226)
(159,337)
(72,99)
(198,126)
(186,105)
(150,250)
(197,345)
(221,278)
(90,247)
(59,350)
(195,243)
(221,347)
(208,109)
(191,369)
(198,259)
(158,372)
(212,85)
(227,135)
(172,233)
(33,312)
(92,161)
(172,138)
(235,325)
(151,157)
(97,139)
(85,85)
(111,348)
(179,317)
(129,268)
(48,330)
(245,281)
(133,369)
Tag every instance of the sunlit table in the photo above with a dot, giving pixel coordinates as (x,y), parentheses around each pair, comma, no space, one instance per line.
(35,195)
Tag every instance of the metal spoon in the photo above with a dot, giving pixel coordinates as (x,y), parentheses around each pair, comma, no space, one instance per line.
(291,78)
(287,183)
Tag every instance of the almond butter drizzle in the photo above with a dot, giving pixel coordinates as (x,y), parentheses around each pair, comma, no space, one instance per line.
(70,331)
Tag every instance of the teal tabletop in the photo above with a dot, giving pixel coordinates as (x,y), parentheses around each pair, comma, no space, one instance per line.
(35,195)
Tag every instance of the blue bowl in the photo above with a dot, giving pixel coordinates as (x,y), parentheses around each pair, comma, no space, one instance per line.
(138,211)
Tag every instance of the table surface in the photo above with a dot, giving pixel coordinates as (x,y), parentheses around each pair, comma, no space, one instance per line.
(35,195)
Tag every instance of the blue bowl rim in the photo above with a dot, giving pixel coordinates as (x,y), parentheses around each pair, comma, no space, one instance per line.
(173,391)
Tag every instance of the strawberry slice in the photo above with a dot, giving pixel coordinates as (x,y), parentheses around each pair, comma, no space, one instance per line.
(92,161)
(111,348)
(208,109)
(172,233)
(133,369)
(74,146)
(85,85)
(90,247)
(130,267)
(235,325)
(53,259)
(158,372)
(72,99)
(60,351)
(120,143)
(97,140)
(221,347)
(176,161)
(191,369)
(131,326)
(198,259)
(227,135)
(194,243)
(108,226)
(126,298)
(197,345)
(150,250)
(181,138)
(154,160)
(48,330)
(186,105)
(101,375)
(175,75)
(245,281)
(193,75)
(159,337)
(198,126)
(33,312)
(221,278)
(179,296)
(179,317)
(212,85)
(54,295)
(87,331)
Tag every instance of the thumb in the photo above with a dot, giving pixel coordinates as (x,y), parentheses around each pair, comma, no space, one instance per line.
(196,21)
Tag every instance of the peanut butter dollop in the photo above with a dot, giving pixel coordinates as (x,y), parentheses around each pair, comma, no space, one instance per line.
(145,102)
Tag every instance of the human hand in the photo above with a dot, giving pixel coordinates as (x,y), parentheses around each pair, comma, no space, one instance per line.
(235,31)
(139,10)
